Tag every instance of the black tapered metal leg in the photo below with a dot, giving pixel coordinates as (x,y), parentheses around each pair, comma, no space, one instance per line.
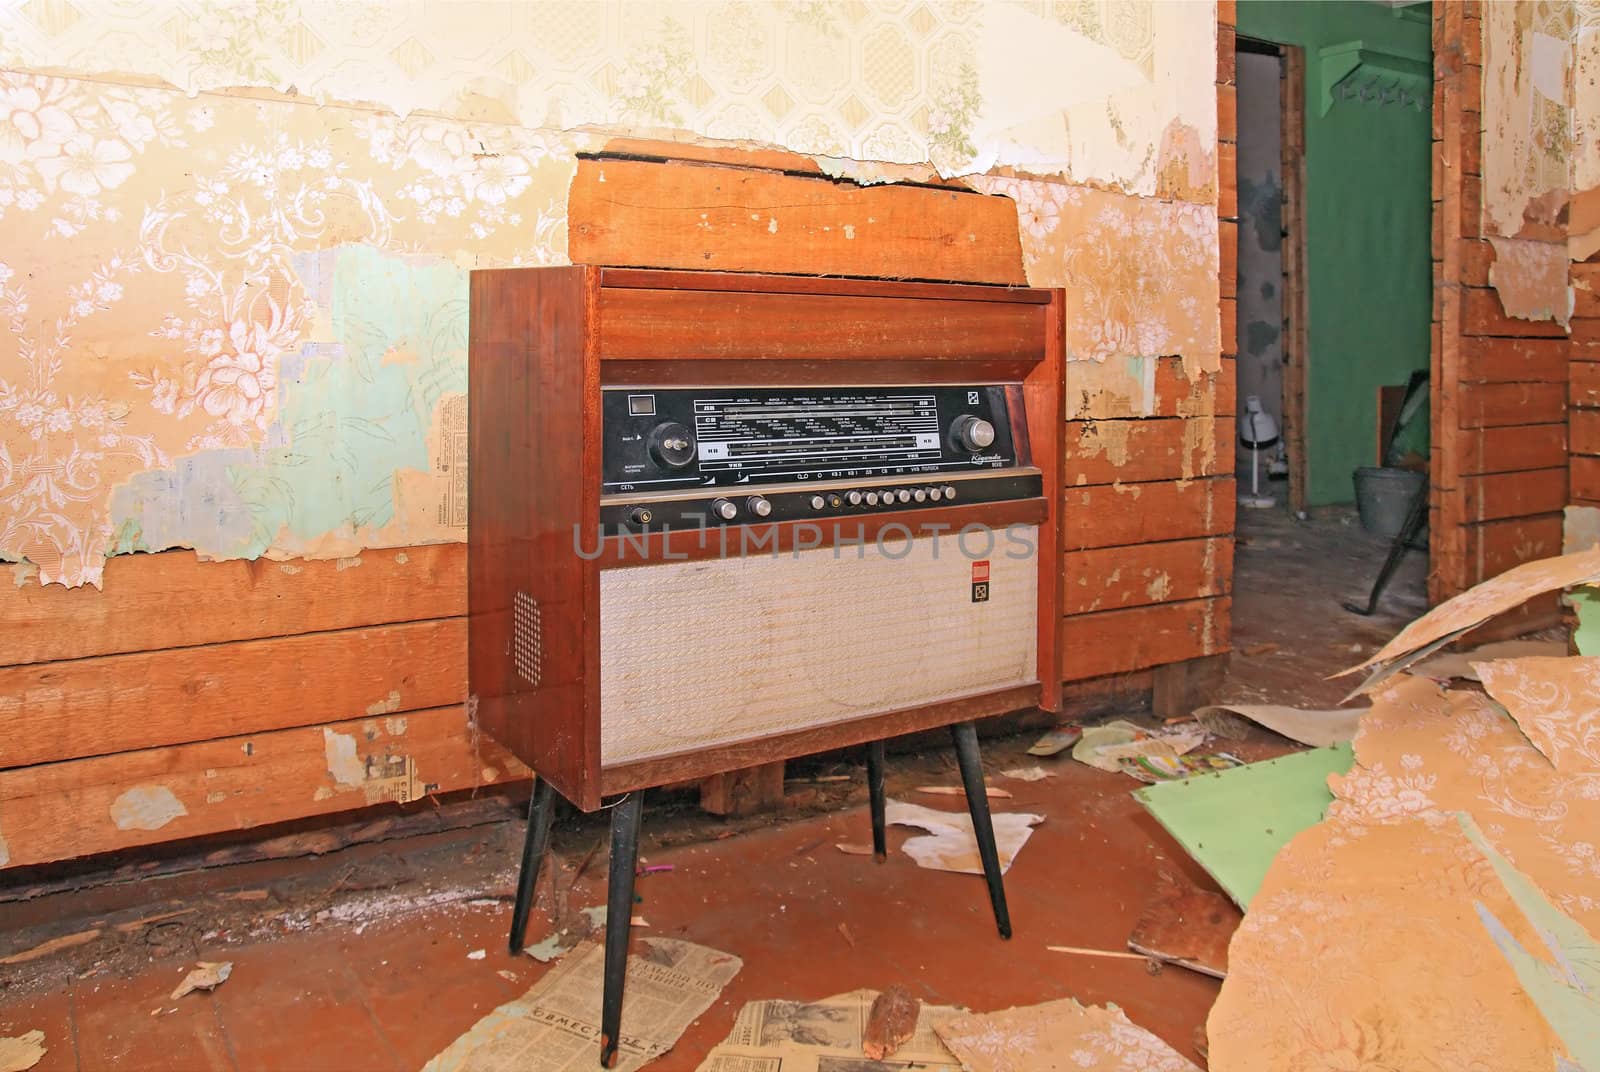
(533,847)
(880,843)
(966,738)
(1405,540)
(619,914)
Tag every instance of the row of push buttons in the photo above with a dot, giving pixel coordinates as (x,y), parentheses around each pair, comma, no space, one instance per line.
(944,493)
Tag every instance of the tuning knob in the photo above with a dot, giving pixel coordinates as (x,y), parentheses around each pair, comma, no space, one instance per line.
(758,506)
(973,433)
(671,445)
(641,516)
(724,509)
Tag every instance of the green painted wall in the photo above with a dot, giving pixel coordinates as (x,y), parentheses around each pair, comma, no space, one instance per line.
(1368,225)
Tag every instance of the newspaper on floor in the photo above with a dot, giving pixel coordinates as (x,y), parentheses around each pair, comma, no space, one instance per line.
(555,1026)
(825,1036)
(950,845)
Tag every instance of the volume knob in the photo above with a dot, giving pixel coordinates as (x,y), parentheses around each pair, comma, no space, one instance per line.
(973,433)
(724,509)
(759,505)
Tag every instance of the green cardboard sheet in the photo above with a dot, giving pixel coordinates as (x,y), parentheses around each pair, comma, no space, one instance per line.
(1234,822)
(1586,602)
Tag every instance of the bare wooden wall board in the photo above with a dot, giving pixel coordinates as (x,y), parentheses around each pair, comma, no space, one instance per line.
(1116,641)
(708,217)
(120,703)
(1514,448)
(1111,515)
(224,601)
(57,811)
(1176,448)
(1110,578)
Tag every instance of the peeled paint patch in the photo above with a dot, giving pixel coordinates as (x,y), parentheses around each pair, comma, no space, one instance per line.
(1527,111)
(1109,438)
(1140,275)
(1531,279)
(389,703)
(344,766)
(23,572)
(5,851)
(396,727)
(146,807)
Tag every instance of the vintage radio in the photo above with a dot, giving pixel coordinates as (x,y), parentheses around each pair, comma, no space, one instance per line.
(719,520)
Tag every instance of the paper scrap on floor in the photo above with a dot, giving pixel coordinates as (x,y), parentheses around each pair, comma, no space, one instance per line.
(206,975)
(1154,769)
(1316,728)
(556,1024)
(1058,1035)
(1056,740)
(949,844)
(21,1053)
(824,1036)
(1107,746)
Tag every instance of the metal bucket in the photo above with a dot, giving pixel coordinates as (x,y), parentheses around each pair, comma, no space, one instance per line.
(1383,498)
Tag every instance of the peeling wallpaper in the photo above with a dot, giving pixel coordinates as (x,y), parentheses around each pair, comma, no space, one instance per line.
(1541,111)
(237,320)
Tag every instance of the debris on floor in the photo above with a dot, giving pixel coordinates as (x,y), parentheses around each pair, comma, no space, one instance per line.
(1185,925)
(1107,745)
(1234,823)
(891,1022)
(1450,665)
(990,791)
(1456,617)
(206,975)
(1057,740)
(555,1025)
(21,1053)
(570,929)
(825,1036)
(949,844)
(54,945)
(1315,728)
(1057,1035)
(1390,933)
(1034,773)
(1154,769)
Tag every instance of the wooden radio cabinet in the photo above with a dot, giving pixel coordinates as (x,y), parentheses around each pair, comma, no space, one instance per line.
(719,520)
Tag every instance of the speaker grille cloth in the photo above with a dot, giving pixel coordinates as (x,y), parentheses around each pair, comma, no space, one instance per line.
(695,654)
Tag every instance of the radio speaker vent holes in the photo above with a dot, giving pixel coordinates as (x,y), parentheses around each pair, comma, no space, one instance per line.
(527,638)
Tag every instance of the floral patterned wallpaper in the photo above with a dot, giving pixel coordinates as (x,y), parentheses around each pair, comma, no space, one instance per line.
(238,233)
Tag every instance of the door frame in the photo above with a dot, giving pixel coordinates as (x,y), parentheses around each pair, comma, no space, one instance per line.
(1294,291)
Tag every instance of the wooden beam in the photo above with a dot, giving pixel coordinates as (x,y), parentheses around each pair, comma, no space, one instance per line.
(223,601)
(1097,391)
(744,792)
(1489,360)
(117,703)
(1110,578)
(1502,495)
(1178,448)
(1116,641)
(1513,448)
(1494,405)
(706,216)
(57,811)
(1111,515)
(1495,546)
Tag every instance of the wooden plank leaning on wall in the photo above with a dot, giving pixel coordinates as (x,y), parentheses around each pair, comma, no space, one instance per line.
(1499,471)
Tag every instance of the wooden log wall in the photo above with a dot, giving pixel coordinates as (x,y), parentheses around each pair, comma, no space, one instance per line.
(1150,498)
(1500,384)
(189,698)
